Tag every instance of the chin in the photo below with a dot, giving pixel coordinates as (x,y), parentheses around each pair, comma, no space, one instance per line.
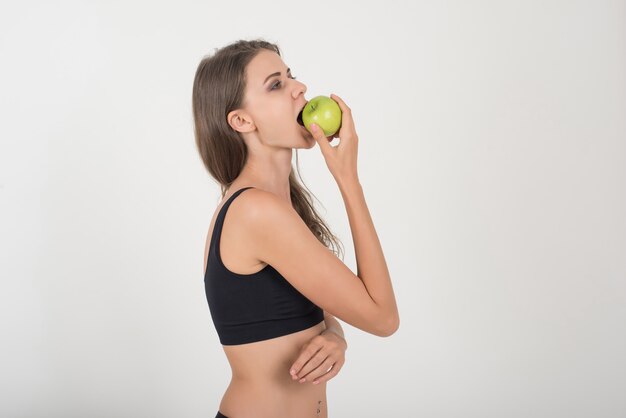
(309,143)
(308,140)
(306,146)
(301,141)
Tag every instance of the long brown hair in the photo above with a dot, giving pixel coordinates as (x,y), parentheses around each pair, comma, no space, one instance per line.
(218,88)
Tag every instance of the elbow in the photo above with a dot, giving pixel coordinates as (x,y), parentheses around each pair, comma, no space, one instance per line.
(390,327)
(395,324)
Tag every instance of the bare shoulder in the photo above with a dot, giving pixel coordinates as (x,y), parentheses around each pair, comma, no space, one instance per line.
(254,203)
(236,252)
(279,237)
(262,214)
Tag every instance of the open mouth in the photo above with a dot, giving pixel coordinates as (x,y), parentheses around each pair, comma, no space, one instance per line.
(299,117)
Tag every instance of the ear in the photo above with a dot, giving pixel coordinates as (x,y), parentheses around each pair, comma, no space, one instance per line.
(240,121)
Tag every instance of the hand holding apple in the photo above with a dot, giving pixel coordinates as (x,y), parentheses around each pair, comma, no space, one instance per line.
(341,160)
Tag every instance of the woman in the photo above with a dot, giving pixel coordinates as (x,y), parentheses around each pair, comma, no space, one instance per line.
(272,284)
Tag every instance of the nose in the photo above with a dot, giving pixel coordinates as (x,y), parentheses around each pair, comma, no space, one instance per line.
(300,88)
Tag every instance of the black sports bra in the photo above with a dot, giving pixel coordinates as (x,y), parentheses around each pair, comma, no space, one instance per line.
(252,307)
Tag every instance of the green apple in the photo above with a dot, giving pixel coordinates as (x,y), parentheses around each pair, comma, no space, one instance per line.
(324,112)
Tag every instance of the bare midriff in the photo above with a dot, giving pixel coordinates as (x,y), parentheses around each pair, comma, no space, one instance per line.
(261,386)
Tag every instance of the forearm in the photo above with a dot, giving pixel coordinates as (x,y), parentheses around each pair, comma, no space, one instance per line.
(371,265)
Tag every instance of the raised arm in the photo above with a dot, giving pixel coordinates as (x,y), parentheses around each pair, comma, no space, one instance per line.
(370,260)
(281,239)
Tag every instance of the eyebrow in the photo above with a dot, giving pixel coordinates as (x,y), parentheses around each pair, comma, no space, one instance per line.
(277,73)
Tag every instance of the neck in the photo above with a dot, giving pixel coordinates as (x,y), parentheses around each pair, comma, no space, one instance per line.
(269,172)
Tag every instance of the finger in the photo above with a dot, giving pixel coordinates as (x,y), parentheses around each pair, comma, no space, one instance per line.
(342,105)
(311,365)
(303,358)
(328,375)
(320,370)
(320,138)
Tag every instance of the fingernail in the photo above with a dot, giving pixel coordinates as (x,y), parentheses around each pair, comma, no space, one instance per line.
(303,379)
(292,371)
(313,127)
(315,382)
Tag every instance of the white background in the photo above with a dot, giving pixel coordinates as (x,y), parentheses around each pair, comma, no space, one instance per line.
(492,155)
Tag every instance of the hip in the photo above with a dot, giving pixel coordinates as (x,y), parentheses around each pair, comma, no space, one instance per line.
(261,399)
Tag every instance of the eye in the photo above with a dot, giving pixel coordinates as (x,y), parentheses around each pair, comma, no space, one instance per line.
(278,83)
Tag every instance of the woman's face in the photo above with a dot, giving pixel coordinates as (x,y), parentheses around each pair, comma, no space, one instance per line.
(273,99)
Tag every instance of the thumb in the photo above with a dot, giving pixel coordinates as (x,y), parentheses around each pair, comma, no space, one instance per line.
(318,134)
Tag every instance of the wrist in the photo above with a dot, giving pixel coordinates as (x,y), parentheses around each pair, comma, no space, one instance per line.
(349,181)
(327,330)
